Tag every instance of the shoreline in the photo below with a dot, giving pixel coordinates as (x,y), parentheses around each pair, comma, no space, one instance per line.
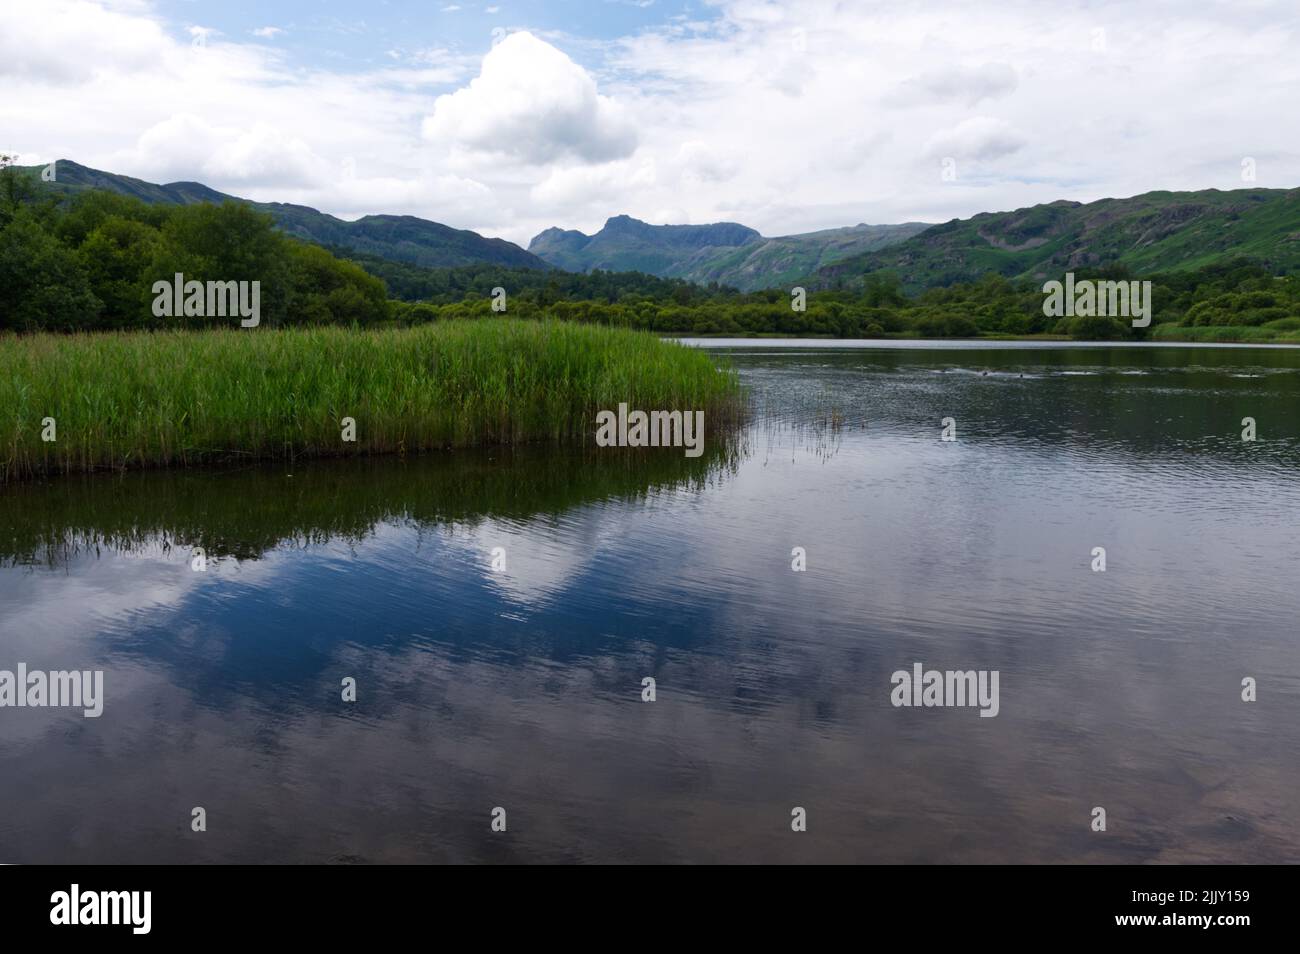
(967,344)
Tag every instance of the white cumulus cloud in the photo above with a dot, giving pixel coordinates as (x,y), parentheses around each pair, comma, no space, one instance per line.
(187,146)
(980,137)
(964,84)
(533,103)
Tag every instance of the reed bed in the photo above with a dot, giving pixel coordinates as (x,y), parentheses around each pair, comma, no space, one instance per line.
(138,399)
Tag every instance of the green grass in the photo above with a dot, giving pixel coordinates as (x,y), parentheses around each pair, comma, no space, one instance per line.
(132,400)
(1227,334)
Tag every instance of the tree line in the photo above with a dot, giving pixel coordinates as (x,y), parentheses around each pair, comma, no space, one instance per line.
(90,262)
(1230,297)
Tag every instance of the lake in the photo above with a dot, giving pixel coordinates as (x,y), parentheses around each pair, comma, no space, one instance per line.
(520,686)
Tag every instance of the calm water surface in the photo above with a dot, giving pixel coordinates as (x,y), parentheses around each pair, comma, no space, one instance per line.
(522,688)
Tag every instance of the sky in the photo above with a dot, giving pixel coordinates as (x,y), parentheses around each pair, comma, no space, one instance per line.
(512,116)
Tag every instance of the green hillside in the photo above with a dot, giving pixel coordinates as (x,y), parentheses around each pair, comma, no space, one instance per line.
(403,238)
(1157,231)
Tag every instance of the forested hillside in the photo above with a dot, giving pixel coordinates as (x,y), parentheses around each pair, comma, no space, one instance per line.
(1154,232)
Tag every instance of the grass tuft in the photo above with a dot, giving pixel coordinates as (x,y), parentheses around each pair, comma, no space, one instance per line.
(132,400)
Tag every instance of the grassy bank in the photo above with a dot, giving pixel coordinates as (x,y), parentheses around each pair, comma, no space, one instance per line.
(1281,332)
(130,400)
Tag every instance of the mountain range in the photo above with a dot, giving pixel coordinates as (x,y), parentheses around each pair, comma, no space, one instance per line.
(402,238)
(1156,231)
(724,252)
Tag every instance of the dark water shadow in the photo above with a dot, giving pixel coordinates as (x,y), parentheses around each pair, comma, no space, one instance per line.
(244,513)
